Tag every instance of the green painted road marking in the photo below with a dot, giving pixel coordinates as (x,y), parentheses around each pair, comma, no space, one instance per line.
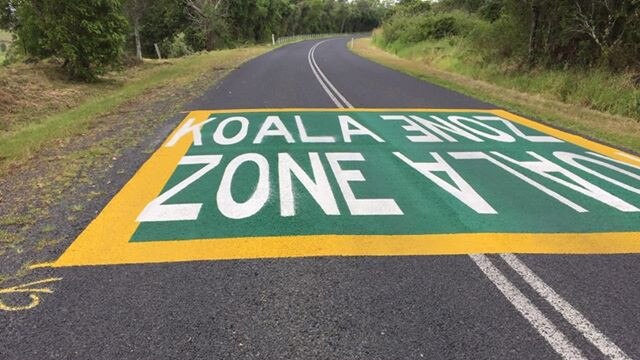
(307,182)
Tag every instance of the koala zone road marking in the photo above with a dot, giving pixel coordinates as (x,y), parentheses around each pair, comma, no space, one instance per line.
(270,183)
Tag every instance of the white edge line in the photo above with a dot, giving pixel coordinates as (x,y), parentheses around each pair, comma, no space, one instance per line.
(528,310)
(573,316)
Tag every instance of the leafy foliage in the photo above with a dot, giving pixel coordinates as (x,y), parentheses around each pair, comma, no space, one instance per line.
(91,35)
(215,24)
(177,46)
(548,33)
(427,26)
(563,33)
(87,35)
(7,15)
(581,52)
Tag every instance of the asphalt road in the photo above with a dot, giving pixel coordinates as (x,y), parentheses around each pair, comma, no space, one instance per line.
(434,307)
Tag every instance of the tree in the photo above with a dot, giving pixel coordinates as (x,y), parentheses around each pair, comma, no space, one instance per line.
(89,34)
(86,34)
(30,26)
(135,10)
(163,22)
(8,19)
(217,23)
(209,20)
(535,33)
(534,5)
(605,22)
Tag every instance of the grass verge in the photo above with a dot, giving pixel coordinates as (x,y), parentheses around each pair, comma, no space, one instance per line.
(18,143)
(614,129)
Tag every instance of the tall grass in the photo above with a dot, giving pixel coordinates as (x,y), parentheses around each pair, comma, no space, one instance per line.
(614,129)
(468,51)
(20,143)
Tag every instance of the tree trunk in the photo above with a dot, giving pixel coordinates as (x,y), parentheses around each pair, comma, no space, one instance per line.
(533,34)
(136,35)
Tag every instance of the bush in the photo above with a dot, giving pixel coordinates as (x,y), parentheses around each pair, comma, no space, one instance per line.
(491,10)
(500,40)
(32,32)
(87,34)
(177,46)
(430,26)
(13,55)
(442,27)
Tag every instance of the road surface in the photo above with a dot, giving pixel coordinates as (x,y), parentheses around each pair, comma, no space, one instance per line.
(330,307)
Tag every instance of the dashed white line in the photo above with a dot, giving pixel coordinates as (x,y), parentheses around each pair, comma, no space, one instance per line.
(573,316)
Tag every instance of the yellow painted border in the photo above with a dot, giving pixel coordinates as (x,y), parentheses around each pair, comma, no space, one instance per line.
(106,240)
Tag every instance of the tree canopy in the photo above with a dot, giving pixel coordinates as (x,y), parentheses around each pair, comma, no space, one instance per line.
(91,35)
(561,32)
(87,35)
(211,24)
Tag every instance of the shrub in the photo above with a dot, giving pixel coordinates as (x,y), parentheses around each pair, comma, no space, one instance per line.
(177,46)
(490,10)
(442,27)
(87,34)
(500,40)
(429,26)
(14,54)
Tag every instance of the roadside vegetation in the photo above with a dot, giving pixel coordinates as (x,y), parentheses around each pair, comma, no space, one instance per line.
(38,106)
(91,37)
(58,78)
(71,145)
(584,53)
(614,129)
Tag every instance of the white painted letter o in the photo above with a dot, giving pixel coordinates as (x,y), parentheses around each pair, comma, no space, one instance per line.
(219,137)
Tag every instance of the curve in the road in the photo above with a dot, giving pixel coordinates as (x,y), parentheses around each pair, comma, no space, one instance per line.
(545,327)
(328,87)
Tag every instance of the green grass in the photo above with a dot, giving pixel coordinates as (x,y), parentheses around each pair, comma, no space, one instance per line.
(574,117)
(16,220)
(11,238)
(18,144)
(596,89)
